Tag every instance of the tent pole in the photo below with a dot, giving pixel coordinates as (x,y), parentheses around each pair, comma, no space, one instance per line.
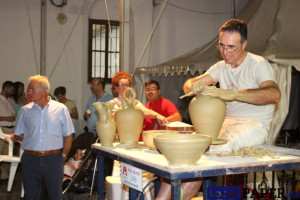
(43,37)
(124,35)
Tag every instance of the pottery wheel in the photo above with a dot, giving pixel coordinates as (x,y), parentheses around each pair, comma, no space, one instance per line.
(219,141)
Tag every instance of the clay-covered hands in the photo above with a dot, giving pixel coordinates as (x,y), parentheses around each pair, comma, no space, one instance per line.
(196,88)
(226,95)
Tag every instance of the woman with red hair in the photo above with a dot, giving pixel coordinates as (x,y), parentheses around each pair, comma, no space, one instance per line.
(120,82)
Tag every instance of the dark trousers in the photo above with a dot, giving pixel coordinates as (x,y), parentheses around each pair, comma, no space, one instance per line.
(36,169)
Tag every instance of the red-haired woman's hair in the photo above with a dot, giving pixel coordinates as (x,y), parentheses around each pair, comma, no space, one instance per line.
(120,75)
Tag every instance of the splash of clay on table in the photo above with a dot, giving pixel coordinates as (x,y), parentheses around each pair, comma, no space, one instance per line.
(248,152)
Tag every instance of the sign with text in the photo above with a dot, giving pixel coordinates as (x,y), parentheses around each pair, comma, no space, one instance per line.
(132,176)
(224,193)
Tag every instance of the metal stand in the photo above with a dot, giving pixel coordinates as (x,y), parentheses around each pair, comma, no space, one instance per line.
(94,173)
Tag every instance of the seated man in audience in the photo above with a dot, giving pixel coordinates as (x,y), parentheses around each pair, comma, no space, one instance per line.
(160,105)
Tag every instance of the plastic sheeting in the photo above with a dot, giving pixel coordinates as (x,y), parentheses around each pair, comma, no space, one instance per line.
(283,79)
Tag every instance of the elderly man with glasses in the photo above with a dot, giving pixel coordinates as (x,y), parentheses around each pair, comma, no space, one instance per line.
(247,84)
(45,128)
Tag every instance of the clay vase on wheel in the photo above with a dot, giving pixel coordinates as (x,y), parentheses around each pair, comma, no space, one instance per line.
(105,126)
(207,115)
(129,119)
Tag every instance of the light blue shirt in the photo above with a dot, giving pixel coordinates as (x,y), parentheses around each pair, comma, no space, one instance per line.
(44,129)
(91,121)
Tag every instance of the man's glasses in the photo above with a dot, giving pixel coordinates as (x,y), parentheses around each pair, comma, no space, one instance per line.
(228,48)
(151,89)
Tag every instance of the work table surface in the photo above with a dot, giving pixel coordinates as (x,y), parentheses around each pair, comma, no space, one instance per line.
(151,160)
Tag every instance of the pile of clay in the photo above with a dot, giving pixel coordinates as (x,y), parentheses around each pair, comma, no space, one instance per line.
(247,152)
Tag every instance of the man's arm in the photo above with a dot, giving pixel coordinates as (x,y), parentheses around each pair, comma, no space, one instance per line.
(170,111)
(197,87)
(152,114)
(10,118)
(74,113)
(174,117)
(267,93)
(67,145)
(87,111)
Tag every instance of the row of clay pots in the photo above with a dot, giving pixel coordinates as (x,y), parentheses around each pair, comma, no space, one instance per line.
(129,121)
(207,115)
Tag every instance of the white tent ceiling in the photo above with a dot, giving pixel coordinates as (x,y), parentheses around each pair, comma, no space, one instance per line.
(273,32)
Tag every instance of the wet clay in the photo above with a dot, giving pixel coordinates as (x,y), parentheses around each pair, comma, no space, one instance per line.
(207,114)
(105,126)
(129,119)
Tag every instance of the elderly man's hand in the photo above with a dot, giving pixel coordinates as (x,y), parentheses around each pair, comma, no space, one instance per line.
(212,91)
(197,87)
(12,137)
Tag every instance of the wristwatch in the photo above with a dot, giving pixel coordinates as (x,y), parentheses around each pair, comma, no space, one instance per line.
(64,155)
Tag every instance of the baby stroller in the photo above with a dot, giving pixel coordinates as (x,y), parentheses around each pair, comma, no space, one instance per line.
(81,181)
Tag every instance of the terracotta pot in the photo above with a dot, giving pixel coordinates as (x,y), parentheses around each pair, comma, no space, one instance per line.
(105,126)
(182,149)
(150,134)
(129,119)
(207,115)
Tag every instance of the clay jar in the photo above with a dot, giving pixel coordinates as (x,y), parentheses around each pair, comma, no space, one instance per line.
(105,126)
(129,119)
(207,114)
